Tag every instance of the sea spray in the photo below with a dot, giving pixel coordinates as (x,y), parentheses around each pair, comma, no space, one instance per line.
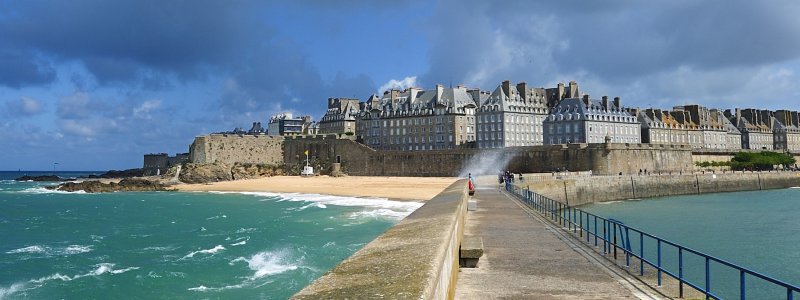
(485,163)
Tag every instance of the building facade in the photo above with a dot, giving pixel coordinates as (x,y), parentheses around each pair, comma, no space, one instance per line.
(287,124)
(787,130)
(584,120)
(340,117)
(755,126)
(416,119)
(512,116)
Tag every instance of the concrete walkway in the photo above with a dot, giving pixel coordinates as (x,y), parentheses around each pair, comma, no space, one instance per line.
(527,258)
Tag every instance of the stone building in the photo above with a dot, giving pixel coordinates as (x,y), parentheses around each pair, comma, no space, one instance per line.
(756,127)
(584,120)
(512,116)
(416,119)
(287,124)
(787,130)
(157,163)
(706,129)
(733,137)
(340,117)
(660,127)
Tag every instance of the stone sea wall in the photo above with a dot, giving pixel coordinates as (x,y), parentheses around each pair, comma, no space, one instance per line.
(415,259)
(577,191)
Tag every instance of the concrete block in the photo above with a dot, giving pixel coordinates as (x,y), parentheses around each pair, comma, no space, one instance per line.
(472,205)
(471,251)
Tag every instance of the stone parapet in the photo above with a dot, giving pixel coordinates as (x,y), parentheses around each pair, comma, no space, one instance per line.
(415,259)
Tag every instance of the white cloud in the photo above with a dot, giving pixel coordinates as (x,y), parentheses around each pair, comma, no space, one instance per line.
(143,110)
(410,81)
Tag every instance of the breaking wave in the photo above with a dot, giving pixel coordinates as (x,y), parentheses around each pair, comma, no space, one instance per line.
(48,251)
(41,190)
(211,251)
(100,269)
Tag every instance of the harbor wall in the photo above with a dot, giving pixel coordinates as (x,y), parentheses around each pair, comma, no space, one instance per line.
(415,259)
(237,148)
(583,190)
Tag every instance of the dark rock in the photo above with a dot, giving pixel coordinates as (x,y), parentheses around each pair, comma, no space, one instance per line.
(119,174)
(39,178)
(125,185)
(203,173)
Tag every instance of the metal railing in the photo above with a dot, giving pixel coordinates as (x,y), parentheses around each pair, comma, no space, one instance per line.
(615,235)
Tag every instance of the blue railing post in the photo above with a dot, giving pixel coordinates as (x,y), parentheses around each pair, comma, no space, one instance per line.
(742,291)
(708,280)
(595,231)
(658,264)
(641,253)
(680,272)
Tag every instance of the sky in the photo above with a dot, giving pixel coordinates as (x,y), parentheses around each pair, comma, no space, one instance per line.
(95,84)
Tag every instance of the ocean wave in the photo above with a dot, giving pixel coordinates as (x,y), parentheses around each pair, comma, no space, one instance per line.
(41,190)
(245,230)
(379,213)
(389,208)
(268,263)
(8,291)
(216,217)
(100,269)
(211,251)
(49,251)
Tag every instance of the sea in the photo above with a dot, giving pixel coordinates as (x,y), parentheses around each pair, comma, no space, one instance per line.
(176,245)
(759,230)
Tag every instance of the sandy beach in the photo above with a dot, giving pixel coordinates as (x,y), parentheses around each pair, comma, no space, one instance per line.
(395,188)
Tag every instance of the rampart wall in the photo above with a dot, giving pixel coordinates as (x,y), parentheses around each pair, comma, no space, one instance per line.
(233,148)
(357,159)
(577,191)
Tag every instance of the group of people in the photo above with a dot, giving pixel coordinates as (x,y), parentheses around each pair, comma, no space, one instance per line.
(507,176)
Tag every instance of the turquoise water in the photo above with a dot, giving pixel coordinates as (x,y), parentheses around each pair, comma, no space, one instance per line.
(759,230)
(177,245)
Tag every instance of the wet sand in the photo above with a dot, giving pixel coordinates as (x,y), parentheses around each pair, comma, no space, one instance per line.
(395,188)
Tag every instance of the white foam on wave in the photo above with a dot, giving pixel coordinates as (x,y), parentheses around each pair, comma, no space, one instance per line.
(8,291)
(239,243)
(29,249)
(268,263)
(384,205)
(48,251)
(211,251)
(41,190)
(100,269)
(378,213)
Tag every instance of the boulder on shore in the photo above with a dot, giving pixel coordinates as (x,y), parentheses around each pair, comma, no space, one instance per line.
(125,185)
(203,173)
(40,178)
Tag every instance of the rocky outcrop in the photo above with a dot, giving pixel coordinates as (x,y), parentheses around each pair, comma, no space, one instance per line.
(249,171)
(40,178)
(125,185)
(120,174)
(203,173)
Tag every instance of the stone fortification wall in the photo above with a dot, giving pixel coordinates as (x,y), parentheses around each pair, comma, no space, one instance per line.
(415,259)
(237,148)
(357,159)
(577,191)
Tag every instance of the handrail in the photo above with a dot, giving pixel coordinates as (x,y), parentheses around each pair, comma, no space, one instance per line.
(572,219)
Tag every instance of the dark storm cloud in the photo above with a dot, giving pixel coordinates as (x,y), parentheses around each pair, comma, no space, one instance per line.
(119,39)
(618,41)
(21,67)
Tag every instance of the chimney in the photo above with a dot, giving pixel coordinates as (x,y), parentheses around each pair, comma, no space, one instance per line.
(506,87)
(330,102)
(439,92)
(605,102)
(573,89)
(522,88)
(586,100)
(560,91)
(616,103)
